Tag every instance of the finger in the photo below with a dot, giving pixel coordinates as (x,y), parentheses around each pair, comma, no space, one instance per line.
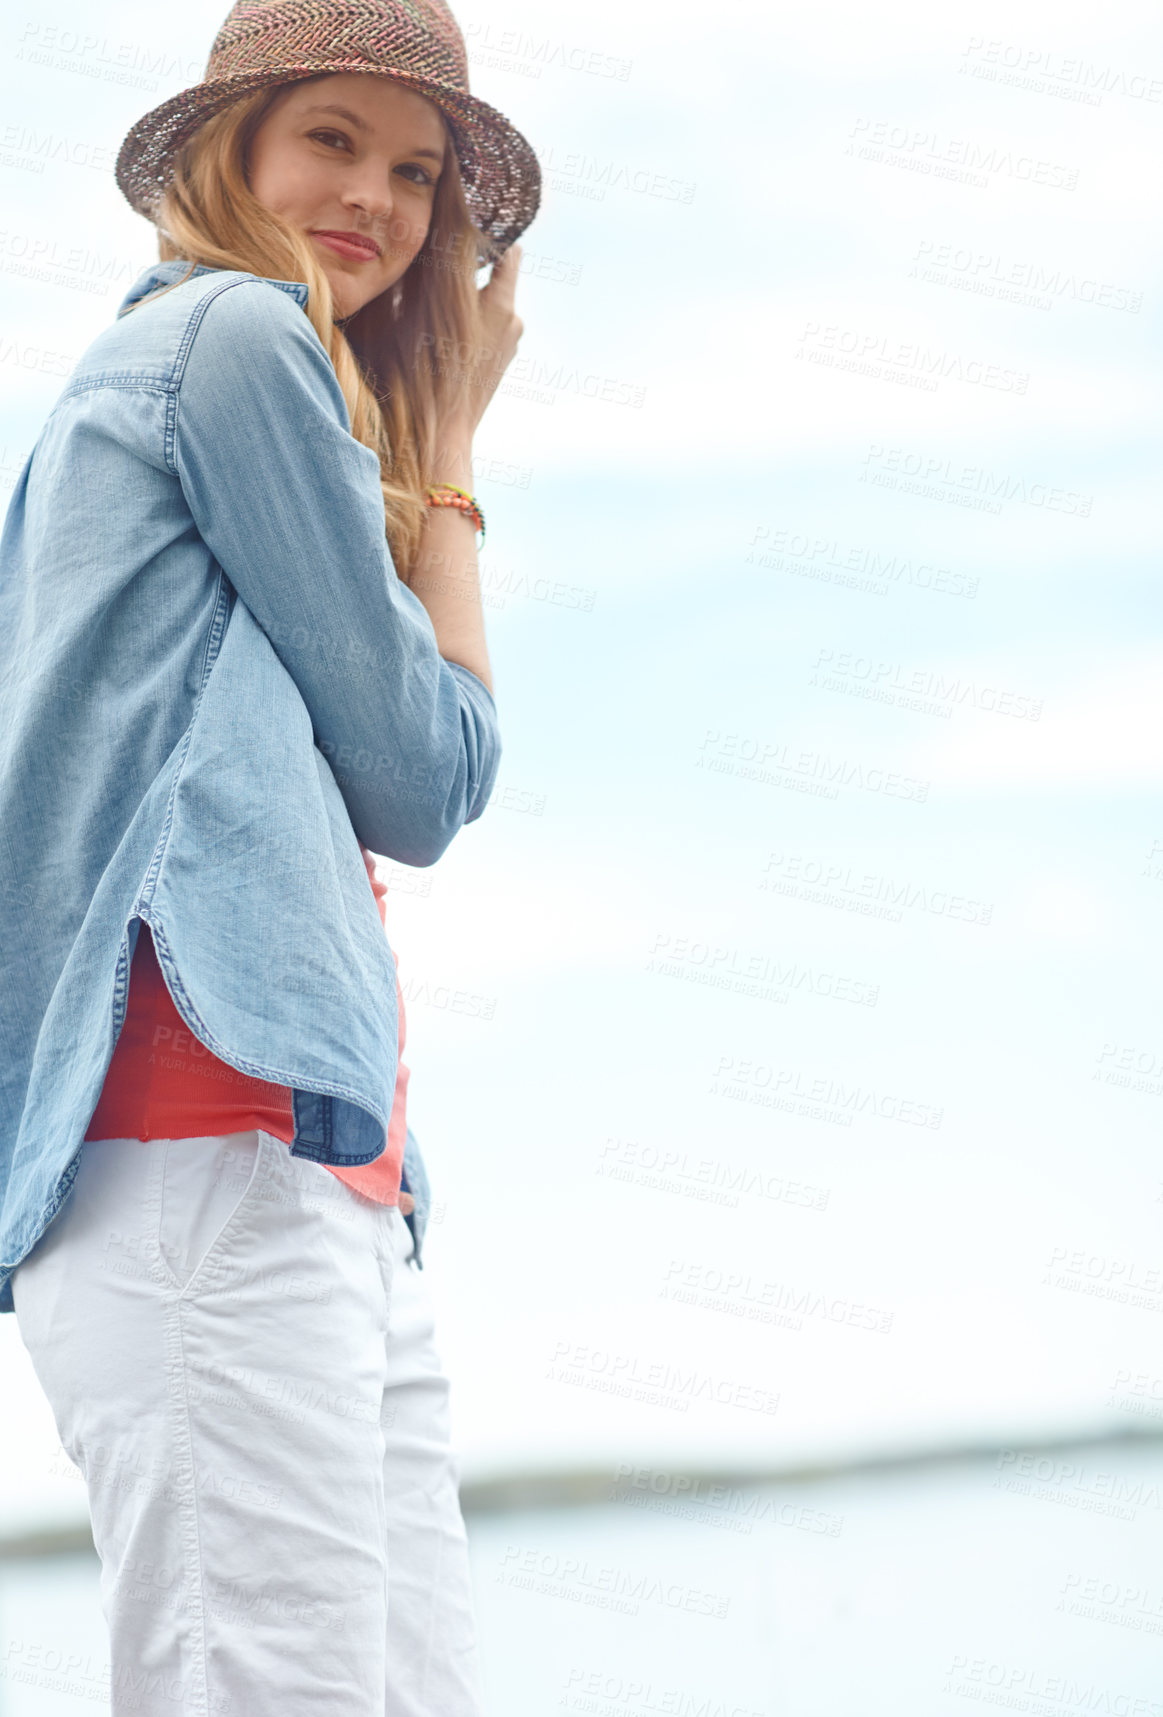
(502,282)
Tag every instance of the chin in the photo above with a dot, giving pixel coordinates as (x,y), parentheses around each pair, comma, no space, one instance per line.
(343,301)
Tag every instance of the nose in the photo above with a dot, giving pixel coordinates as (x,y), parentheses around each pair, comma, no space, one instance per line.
(368,197)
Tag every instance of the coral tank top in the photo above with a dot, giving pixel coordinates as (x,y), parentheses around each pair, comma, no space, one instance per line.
(164,1083)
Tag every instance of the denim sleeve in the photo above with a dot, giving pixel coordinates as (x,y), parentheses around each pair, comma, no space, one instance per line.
(289,504)
(414,1179)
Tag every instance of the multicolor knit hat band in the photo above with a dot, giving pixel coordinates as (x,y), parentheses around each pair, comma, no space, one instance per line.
(414,42)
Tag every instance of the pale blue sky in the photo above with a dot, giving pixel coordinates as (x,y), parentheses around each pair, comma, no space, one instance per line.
(626,825)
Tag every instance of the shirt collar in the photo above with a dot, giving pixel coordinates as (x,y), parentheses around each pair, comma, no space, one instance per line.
(166,273)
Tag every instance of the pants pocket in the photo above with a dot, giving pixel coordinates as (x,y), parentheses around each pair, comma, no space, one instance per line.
(205,1185)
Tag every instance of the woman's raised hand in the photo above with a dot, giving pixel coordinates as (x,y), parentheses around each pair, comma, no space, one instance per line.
(501,328)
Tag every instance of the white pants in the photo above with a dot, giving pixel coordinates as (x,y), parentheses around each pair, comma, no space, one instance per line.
(240,1361)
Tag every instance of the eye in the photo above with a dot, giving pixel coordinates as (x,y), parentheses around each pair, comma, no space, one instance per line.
(324,133)
(425,178)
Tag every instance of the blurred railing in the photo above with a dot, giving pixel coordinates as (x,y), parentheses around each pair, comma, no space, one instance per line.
(582,1487)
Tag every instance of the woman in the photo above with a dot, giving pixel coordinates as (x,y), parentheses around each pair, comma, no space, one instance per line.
(241,650)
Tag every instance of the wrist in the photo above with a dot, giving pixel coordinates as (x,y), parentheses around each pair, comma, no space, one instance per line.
(453,457)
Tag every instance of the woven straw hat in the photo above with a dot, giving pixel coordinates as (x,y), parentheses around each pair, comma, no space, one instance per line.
(416,42)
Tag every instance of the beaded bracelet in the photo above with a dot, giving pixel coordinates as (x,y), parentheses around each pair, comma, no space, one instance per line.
(448,495)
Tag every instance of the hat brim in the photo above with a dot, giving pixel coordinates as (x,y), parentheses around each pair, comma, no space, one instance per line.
(501,173)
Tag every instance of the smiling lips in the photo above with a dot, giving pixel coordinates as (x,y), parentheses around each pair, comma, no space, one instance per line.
(351,244)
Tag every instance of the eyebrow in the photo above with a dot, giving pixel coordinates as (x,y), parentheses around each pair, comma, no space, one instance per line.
(362,125)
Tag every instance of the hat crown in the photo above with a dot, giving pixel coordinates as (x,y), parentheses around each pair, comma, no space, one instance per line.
(420,37)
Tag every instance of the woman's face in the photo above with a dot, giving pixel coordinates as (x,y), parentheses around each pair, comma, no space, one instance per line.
(368,171)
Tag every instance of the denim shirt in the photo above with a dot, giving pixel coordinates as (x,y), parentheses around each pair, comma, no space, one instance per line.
(213,687)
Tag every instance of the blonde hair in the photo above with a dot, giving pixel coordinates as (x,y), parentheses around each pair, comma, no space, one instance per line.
(396,402)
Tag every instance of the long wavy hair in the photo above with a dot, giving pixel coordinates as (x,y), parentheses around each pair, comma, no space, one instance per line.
(397,400)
